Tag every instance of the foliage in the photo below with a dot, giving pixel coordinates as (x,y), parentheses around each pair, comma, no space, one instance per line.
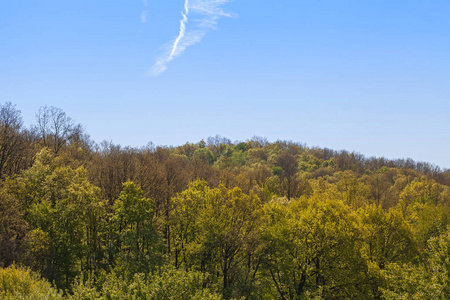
(167,283)
(252,219)
(215,231)
(12,229)
(138,243)
(388,238)
(312,247)
(21,283)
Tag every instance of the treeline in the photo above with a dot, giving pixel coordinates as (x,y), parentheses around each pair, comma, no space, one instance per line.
(214,219)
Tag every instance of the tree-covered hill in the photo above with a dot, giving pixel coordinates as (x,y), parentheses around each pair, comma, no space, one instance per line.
(214,219)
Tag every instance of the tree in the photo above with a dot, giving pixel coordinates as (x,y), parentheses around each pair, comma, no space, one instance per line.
(439,260)
(389,238)
(166,283)
(421,190)
(65,214)
(288,164)
(428,280)
(12,139)
(21,283)
(353,192)
(313,249)
(427,220)
(12,229)
(139,246)
(112,165)
(215,231)
(55,127)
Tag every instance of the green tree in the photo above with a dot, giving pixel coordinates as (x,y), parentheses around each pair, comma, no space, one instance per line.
(421,190)
(216,232)
(428,280)
(138,243)
(354,192)
(439,261)
(64,212)
(23,284)
(388,237)
(167,283)
(427,220)
(313,249)
(204,155)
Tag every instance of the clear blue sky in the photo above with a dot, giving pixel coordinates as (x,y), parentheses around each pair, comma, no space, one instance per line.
(371,76)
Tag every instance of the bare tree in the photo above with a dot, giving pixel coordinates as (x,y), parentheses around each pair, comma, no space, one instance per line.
(289,164)
(55,128)
(10,134)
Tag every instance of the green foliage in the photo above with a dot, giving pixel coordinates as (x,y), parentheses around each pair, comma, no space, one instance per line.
(427,220)
(269,221)
(439,260)
(388,237)
(37,249)
(215,231)
(168,283)
(256,155)
(19,283)
(139,244)
(205,155)
(313,249)
(277,171)
(408,281)
(421,190)
(64,213)
(241,146)
(353,191)
(310,163)
(429,280)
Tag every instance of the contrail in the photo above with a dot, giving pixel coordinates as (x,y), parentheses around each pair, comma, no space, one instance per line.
(182,28)
(210,12)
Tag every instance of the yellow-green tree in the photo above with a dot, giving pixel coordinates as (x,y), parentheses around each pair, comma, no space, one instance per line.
(216,232)
(66,215)
(388,237)
(428,280)
(22,284)
(313,249)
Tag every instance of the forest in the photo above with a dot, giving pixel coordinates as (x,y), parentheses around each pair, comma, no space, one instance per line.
(214,219)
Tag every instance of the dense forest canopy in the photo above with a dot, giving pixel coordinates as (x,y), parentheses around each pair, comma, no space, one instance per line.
(214,219)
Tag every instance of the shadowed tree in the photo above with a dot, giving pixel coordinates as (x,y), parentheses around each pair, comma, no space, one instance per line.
(288,164)
(12,229)
(12,141)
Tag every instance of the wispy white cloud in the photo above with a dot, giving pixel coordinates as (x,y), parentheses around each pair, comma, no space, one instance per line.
(145,2)
(207,12)
(144,16)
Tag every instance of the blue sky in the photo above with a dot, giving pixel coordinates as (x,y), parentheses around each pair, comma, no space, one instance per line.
(370,76)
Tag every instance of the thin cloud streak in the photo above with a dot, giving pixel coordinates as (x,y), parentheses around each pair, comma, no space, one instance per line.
(210,12)
(182,30)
